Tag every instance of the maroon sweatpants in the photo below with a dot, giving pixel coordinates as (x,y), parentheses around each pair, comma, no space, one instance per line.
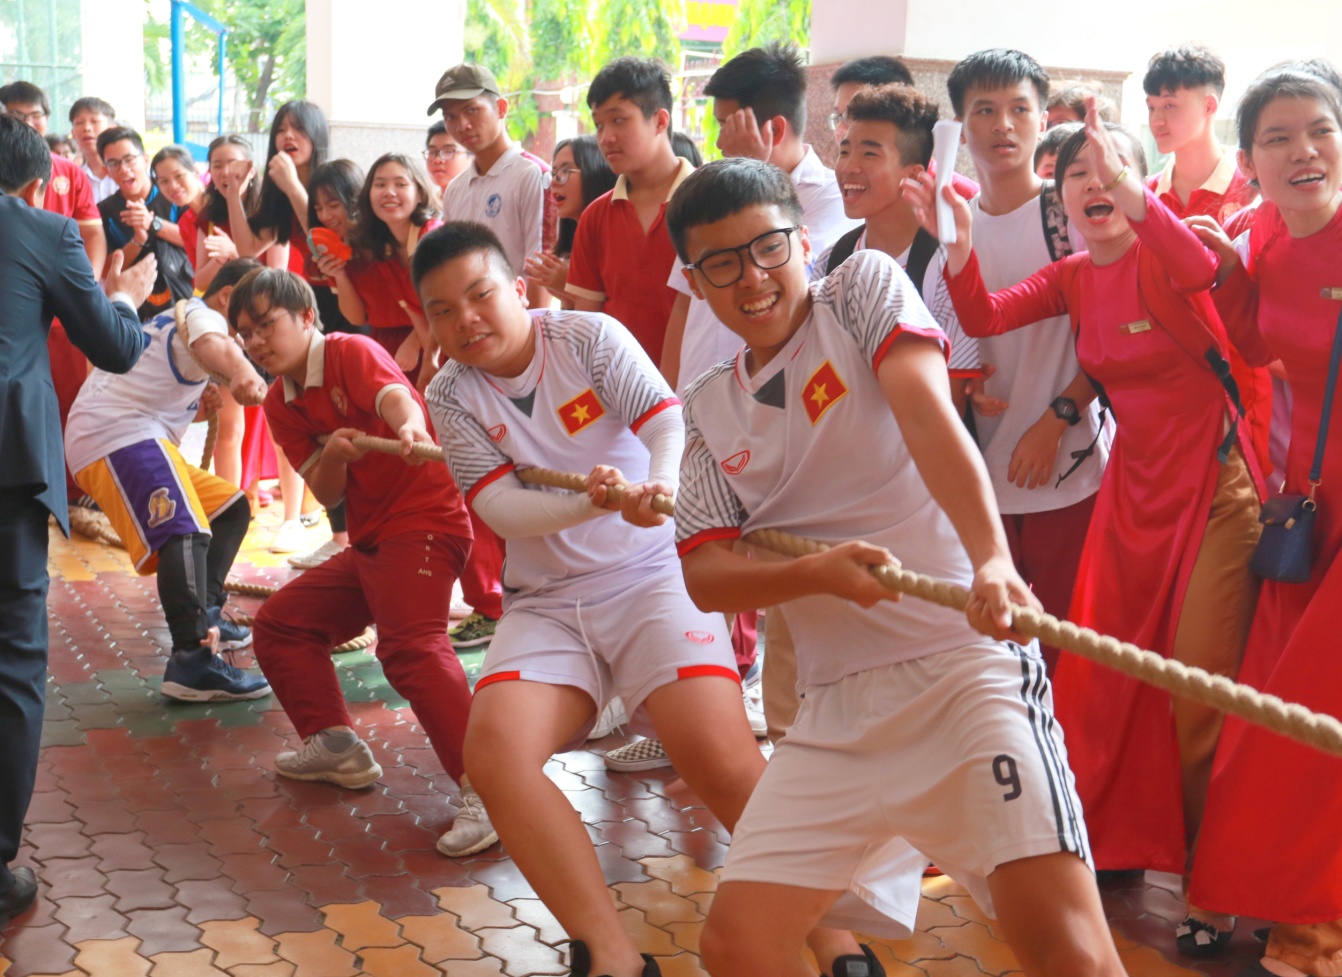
(482,577)
(404,586)
(1046,547)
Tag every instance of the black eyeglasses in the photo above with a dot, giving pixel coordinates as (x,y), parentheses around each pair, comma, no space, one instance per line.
(27,118)
(448,153)
(770,250)
(837,119)
(560,174)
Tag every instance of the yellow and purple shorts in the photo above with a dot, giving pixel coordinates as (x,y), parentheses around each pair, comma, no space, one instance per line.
(150,494)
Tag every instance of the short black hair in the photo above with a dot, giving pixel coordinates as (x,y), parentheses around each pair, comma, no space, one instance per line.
(724,187)
(57,142)
(453,240)
(992,69)
(230,273)
(911,112)
(683,146)
(644,81)
(27,93)
(92,103)
(771,80)
(279,288)
(1076,141)
(1053,138)
(1185,66)
(24,156)
(439,128)
(116,134)
(880,69)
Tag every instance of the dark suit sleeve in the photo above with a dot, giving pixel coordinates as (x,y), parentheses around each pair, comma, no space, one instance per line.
(108,333)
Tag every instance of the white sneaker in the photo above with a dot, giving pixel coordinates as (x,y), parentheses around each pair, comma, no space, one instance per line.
(640,755)
(291,537)
(471,832)
(753,696)
(354,767)
(611,719)
(317,557)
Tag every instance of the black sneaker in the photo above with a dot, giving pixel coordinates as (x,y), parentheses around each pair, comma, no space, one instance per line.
(18,897)
(580,962)
(232,635)
(852,965)
(1194,938)
(199,675)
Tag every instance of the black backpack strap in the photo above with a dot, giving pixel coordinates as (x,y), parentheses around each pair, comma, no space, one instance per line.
(1054,220)
(844,247)
(1078,457)
(921,252)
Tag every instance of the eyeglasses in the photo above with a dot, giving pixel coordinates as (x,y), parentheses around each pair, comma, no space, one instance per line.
(561,174)
(27,118)
(123,163)
(837,119)
(444,153)
(263,328)
(770,250)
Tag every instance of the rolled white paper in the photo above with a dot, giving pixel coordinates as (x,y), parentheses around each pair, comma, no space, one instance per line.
(945,144)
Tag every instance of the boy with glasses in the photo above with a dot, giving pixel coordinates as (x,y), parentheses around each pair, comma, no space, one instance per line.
(139,220)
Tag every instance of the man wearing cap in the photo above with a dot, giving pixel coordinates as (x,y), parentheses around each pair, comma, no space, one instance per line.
(503,188)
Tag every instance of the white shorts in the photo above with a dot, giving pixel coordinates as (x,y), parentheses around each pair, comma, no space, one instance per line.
(627,641)
(954,758)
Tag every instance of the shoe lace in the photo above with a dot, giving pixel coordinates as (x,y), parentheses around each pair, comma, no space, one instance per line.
(472,807)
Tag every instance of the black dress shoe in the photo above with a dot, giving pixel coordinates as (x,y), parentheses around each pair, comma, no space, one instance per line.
(18,897)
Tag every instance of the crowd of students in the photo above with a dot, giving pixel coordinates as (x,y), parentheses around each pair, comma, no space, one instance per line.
(1079,405)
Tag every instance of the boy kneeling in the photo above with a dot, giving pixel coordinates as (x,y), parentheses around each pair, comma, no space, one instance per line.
(917,734)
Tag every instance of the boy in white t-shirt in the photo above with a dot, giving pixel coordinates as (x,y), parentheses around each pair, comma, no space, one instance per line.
(1045,456)
(573,391)
(918,736)
(176,520)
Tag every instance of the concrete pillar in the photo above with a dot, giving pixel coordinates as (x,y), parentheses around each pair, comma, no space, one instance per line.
(112,49)
(372,68)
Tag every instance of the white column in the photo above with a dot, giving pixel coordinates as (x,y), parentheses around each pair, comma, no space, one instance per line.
(112,48)
(845,29)
(373,84)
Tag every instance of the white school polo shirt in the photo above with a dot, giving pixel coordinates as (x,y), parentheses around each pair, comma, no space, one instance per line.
(509,200)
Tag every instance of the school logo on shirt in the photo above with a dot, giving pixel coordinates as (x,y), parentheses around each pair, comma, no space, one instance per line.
(497,433)
(736,464)
(581,412)
(493,205)
(161,508)
(60,185)
(701,637)
(822,392)
(339,401)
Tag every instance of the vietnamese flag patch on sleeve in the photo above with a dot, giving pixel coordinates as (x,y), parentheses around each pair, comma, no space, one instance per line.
(822,392)
(581,412)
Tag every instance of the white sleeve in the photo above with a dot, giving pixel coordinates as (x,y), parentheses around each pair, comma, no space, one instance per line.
(512,510)
(677,280)
(532,216)
(201,320)
(663,435)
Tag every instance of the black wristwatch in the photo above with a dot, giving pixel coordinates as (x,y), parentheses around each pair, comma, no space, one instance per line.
(1064,408)
(155,226)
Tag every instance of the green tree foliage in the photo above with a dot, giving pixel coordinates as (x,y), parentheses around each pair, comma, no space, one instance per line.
(644,28)
(761,21)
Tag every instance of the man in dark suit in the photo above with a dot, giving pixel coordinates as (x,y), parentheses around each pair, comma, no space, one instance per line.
(43,272)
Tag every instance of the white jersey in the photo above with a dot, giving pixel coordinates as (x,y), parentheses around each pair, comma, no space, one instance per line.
(1034,365)
(809,446)
(158,398)
(707,341)
(591,387)
(964,359)
(509,200)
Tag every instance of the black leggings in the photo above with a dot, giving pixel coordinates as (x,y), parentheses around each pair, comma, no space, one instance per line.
(336,516)
(192,569)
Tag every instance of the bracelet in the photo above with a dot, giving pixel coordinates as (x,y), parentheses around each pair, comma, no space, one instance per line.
(1122,175)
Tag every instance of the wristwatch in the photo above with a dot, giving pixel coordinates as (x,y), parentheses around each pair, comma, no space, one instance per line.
(1064,408)
(155,226)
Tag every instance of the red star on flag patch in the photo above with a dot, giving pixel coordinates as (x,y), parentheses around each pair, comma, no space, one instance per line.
(580,412)
(822,392)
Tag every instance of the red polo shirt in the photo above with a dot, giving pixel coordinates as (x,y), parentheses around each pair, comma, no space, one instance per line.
(348,375)
(1226,191)
(70,194)
(614,262)
(383,285)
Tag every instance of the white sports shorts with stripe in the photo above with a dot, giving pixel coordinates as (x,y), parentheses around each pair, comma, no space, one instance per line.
(628,640)
(953,758)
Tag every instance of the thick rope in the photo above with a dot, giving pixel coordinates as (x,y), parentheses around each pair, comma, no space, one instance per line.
(94,525)
(1319,730)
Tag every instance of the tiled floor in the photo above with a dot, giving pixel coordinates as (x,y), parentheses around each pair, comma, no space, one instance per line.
(166,846)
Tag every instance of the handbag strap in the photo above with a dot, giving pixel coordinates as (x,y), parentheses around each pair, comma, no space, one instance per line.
(1316,470)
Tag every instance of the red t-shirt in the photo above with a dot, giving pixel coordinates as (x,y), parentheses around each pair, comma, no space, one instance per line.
(614,262)
(1226,192)
(70,194)
(186,223)
(384,284)
(385,497)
